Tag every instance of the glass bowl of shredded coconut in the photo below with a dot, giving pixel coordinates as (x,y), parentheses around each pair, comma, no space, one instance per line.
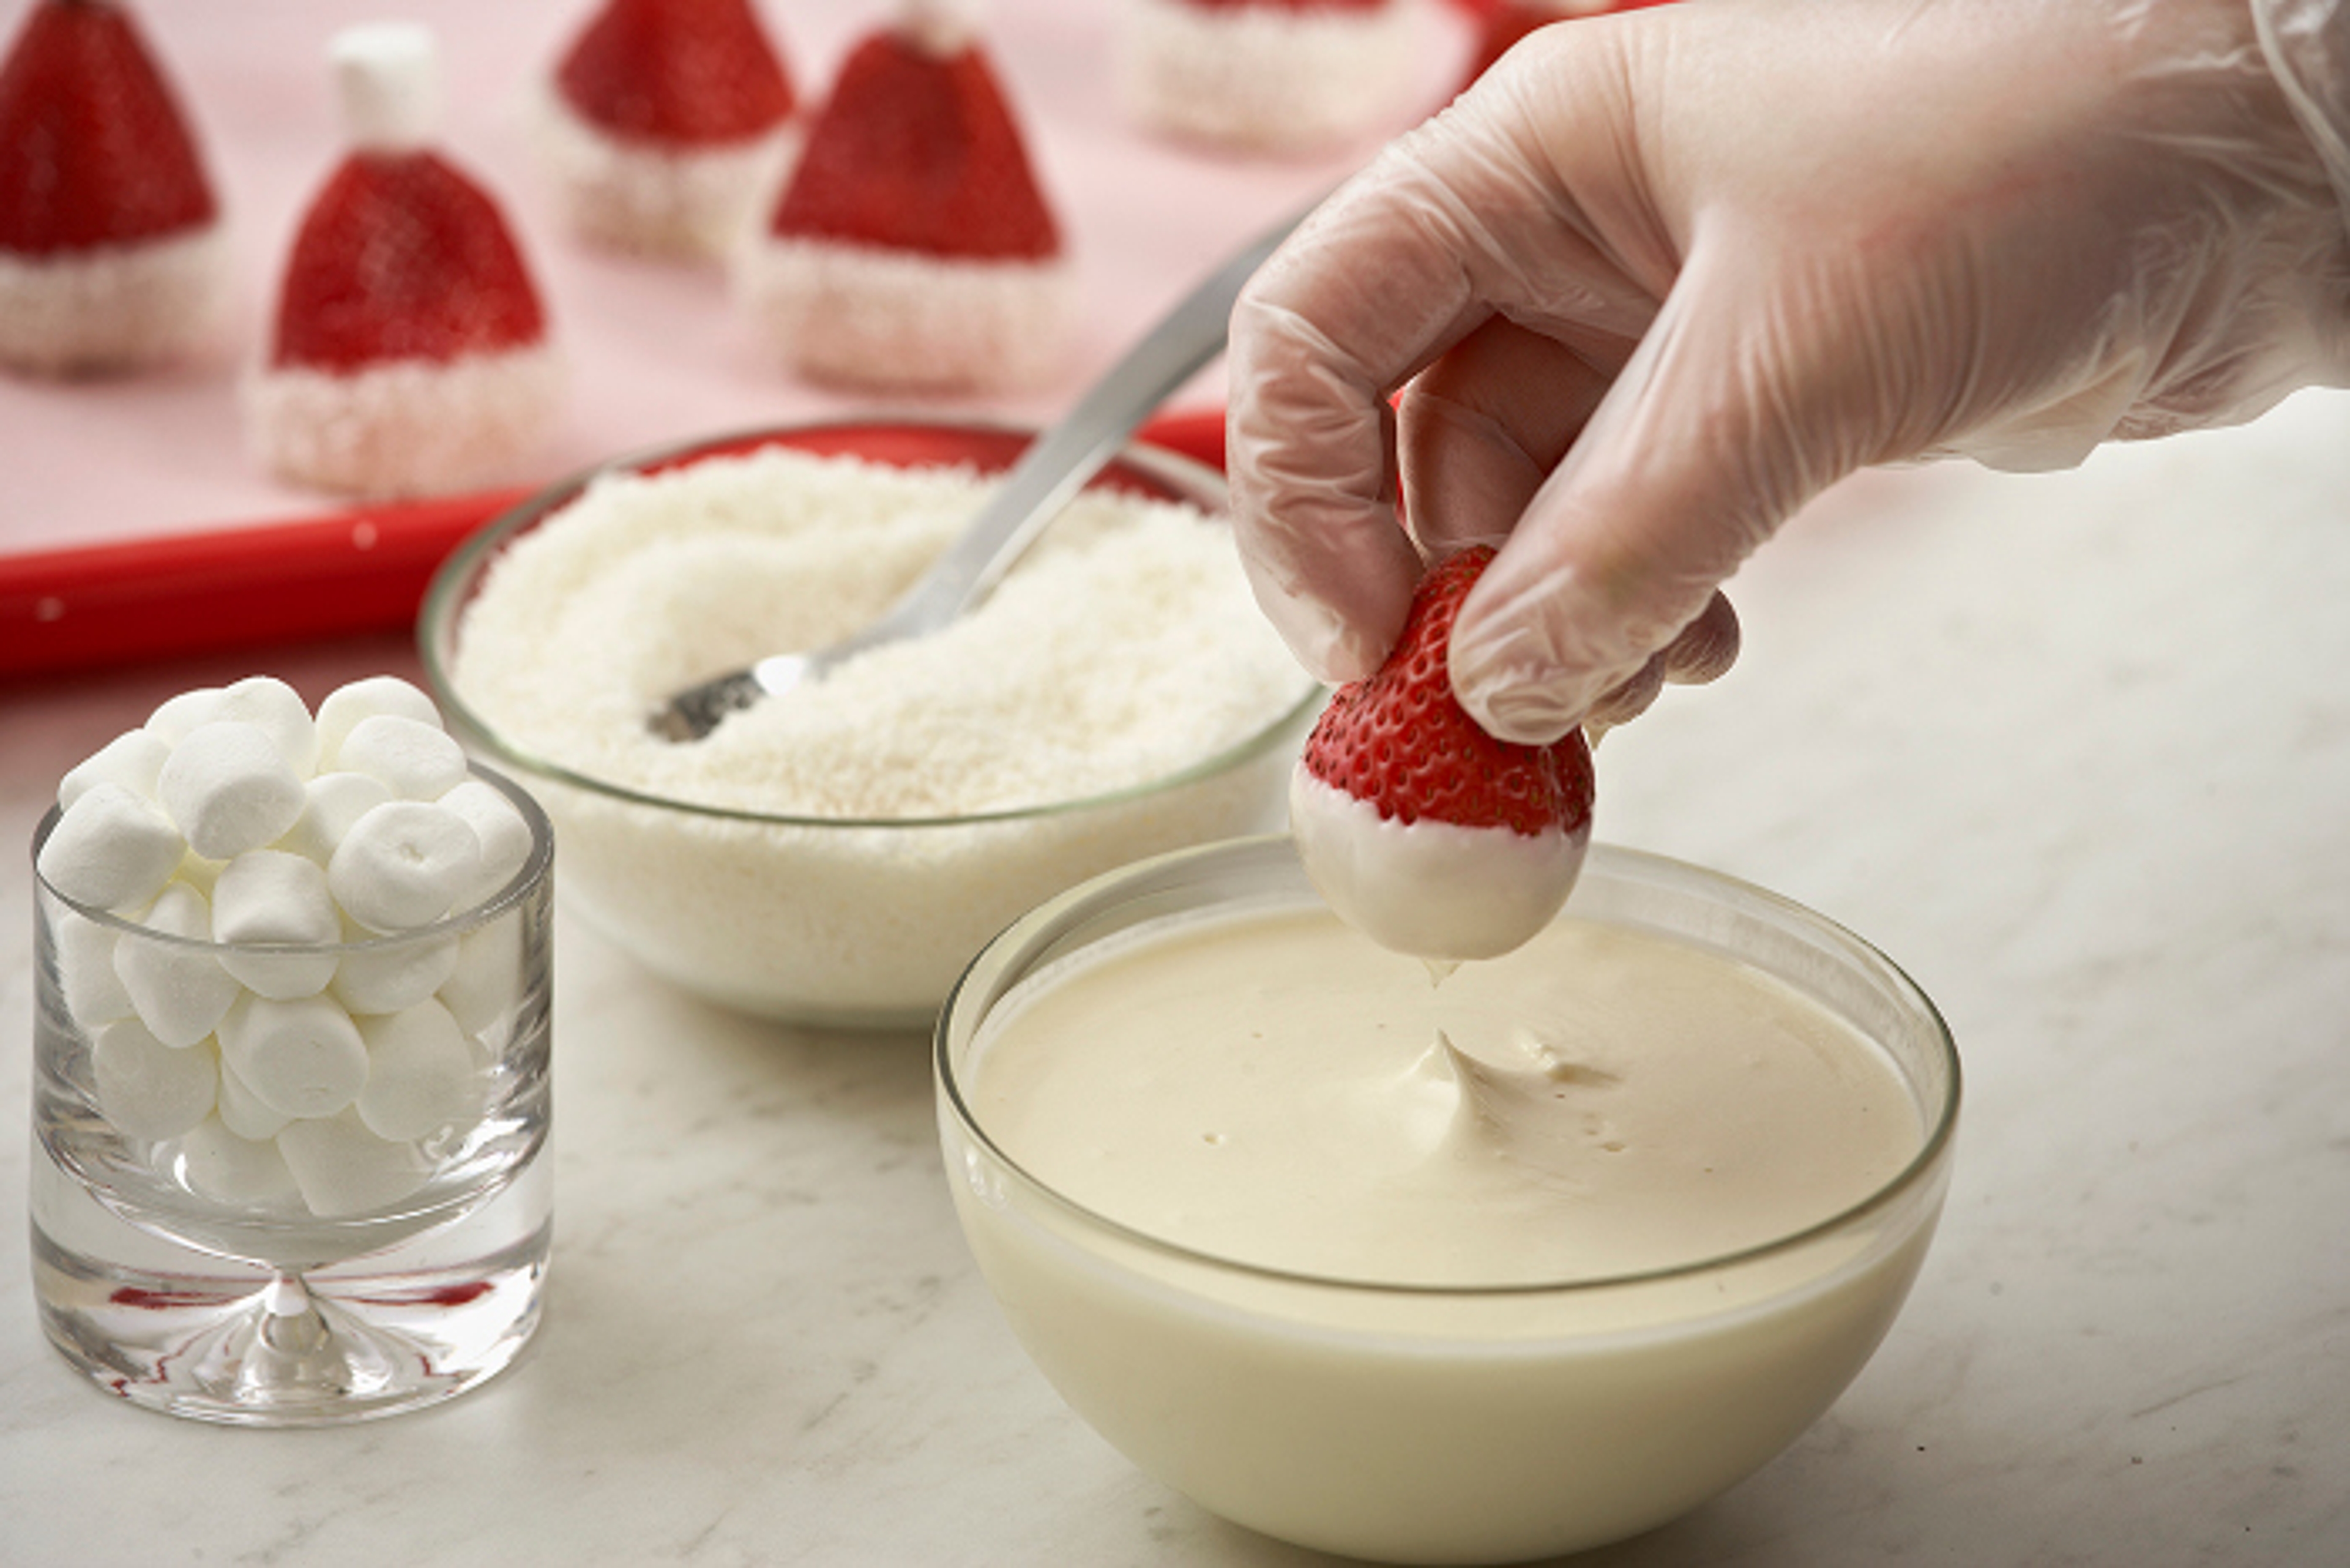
(836,856)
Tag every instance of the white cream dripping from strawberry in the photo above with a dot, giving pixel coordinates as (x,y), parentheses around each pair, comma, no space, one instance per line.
(1420,829)
(1433,889)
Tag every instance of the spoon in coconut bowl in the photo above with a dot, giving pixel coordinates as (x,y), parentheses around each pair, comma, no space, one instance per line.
(1048,475)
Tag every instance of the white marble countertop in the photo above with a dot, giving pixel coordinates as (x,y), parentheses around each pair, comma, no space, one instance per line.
(2074,749)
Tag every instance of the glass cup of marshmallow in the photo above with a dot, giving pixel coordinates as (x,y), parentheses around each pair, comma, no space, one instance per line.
(290,1057)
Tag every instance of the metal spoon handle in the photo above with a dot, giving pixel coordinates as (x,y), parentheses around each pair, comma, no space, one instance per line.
(1058,464)
(1031,494)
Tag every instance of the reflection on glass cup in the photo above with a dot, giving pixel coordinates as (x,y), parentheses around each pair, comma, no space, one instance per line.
(284,1184)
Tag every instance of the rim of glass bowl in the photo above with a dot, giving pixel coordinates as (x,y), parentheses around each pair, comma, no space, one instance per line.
(459,577)
(1103,893)
(535,870)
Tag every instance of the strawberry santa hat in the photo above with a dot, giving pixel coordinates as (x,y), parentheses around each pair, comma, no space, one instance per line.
(111,253)
(667,126)
(1267,76)
(410,351)
(913,246)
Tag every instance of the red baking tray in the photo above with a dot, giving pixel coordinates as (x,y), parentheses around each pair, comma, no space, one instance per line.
(259,583)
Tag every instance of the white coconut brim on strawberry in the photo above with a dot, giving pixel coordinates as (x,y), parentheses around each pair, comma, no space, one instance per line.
(1429,889)
(1418,828)
(701,200)
(114,307)
(404,427)
(1264,77)
(870,317)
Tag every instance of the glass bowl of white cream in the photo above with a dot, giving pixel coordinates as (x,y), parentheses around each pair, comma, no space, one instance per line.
(835,856)
(1481,1267)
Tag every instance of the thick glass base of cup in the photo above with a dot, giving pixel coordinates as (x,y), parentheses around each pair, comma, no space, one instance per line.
(190,1332)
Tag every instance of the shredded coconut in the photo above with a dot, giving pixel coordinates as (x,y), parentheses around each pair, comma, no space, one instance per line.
(111,306)
(1264,77)
(403,427)
(700,202)
(1125,648)
(864,316)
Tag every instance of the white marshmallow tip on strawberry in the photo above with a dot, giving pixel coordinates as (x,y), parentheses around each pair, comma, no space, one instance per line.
(387,83)
(941,26)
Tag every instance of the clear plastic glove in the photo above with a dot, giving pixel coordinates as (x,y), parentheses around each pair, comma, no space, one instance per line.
(1657,279)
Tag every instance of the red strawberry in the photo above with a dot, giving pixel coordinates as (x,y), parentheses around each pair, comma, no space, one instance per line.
(694,73)
(403,257)
(93,149)
(916,150)
(1400,741)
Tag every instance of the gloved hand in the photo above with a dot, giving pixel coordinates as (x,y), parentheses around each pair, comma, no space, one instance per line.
(1657,279)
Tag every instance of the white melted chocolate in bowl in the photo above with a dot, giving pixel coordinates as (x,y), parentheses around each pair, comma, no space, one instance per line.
(1494,1269)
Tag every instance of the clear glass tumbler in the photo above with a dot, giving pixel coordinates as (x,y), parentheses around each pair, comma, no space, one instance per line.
(365,1233)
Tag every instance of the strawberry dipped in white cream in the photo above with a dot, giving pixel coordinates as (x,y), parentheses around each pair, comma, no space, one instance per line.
(1420,829)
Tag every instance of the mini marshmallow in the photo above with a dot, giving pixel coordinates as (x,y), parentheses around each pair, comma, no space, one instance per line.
(266,896)
(110,849)
(393,975)
(179,992)
(133,759)
(237,1172)
(505,834)
(171,721)
(230,788)
(277,709)
(93,992)
(304,1058)
(146,1088)
(242,1111)
(344,1169)
(346,706)
(403,865)
(199,873)
(481,991)
(331,802)
(941,26)
(420,1074)
(419,760)
(388,81)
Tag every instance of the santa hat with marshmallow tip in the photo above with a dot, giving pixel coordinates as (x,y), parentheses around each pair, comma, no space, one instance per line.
(410,351)
(1267,76)
(111,254)
(667,126)
(912,247)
